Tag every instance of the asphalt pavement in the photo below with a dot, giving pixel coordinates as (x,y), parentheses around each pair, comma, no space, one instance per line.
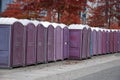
(107,74)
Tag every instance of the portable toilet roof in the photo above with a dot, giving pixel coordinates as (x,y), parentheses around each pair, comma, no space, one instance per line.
(45,23)
(24,21)
(77,26)
(8,21)
(62,25)
(35,22)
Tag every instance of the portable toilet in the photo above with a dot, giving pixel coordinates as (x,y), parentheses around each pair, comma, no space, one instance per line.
(11,43)
(108,42)
(65,43)
(84,43)
(118,41)
(30,44)
(75,41)
(58,45)
(88,43)
(41,41)
(111,42)
(50,43)
(95,44)
(99,42)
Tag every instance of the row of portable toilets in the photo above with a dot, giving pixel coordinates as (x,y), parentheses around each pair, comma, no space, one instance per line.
(25,42)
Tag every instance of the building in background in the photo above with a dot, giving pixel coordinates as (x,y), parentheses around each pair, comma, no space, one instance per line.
(3,4)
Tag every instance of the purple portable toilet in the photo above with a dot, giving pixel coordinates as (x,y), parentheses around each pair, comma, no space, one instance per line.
(99,42)
(58,45)
(50,43)
(118,41)
(30,44)
(84,43)
(103,45)
(91,43)
(41,43)
(88,42)
(110,48)
(65,43)
(11,45)
(75,42)
(94,34)
(108,42)
(111,42)
(103,42)
(115,41)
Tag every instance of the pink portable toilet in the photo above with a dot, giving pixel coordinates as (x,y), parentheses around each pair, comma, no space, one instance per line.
(84,43)
(11,45)
(65,43)
(118,41)
(88,43)
(91,43)
(41,43)
(50,43)
(99,42)
(111,42)
(115,41)
(58,45)
(75,42)
(108,42)
(95,44)
(30,44)
(103,42)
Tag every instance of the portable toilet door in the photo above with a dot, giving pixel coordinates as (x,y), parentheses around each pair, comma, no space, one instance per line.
(99,42)
(103,42)
(95,42)
(111,42)
(58,46)
(75,45)
(11,45)
(91,43)
(41,43)
(115,41)
(30,44)
(88,42)
(118,41)
(84,43)
(50,43)
(110,38)
(107,42)
(65,43)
